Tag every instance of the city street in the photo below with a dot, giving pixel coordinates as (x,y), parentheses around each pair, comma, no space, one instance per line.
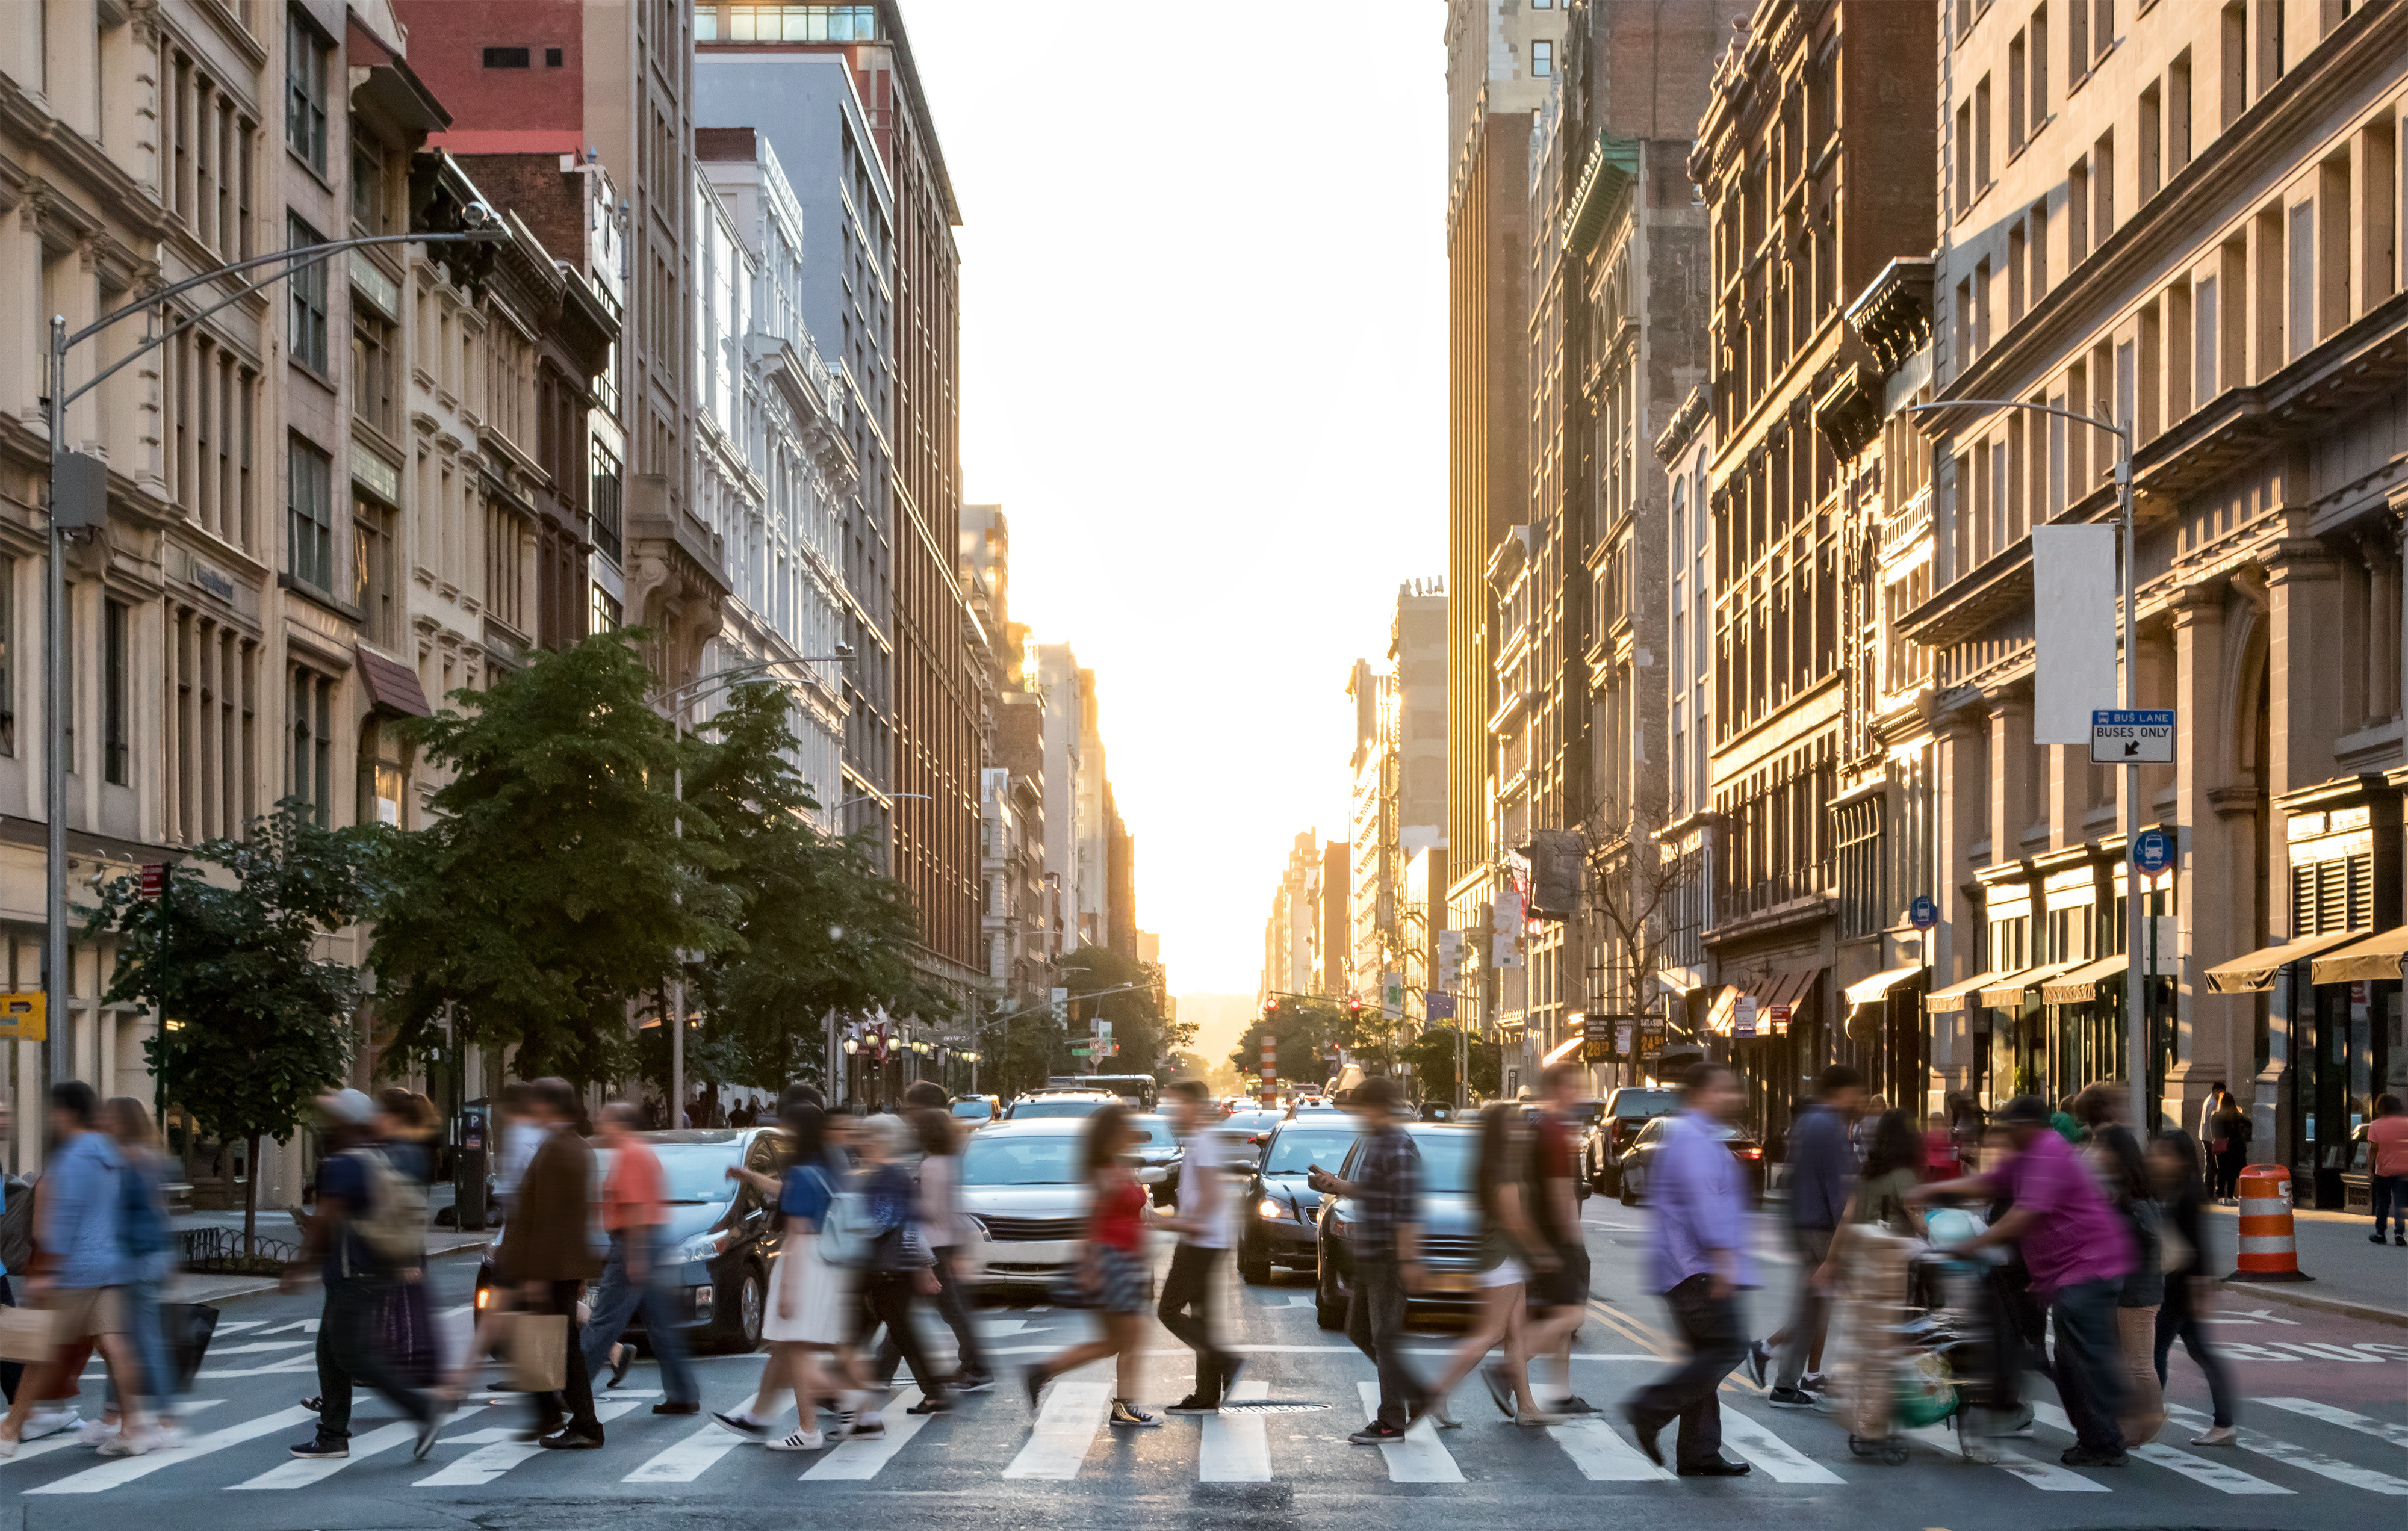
(2328,1445)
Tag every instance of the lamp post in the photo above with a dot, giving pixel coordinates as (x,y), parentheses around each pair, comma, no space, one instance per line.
(2136,1021)
(88,507)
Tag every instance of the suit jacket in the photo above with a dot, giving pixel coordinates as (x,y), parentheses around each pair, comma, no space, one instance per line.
(547,1237)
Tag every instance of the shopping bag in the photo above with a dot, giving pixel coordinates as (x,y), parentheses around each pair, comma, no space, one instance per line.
(538,1350)
(27,1334)
(187,1328)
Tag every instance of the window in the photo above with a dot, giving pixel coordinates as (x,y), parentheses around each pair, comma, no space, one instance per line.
(2102,185)
(2077,214)
(2036,284)
(116,704)
(1982,134)
(607,492)
(210,734)
(2077,43)
(375,372)
(7,656)
(1543,59)
(310,515)
(506,58)
(2038,110)
(2178,115)
(606,615)
(2016,90)
(308,55)
(305,332)
(384,772)
(553,58)
(368,199)
(750,21)
(1964,158)
(312,704)
(2151,162)
(206,164)
(376,586)
(2233,65)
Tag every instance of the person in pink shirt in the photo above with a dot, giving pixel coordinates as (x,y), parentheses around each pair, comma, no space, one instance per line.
(2386,1136)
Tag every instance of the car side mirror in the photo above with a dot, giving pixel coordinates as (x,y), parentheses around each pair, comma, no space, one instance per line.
(1152,1175)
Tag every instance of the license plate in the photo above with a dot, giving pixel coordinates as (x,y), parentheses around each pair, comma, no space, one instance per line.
(1449,1281)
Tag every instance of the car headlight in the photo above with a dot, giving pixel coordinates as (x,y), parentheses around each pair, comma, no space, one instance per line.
(704,1246)
(1268,1207)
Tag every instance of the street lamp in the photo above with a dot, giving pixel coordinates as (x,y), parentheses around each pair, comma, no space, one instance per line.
(87,507)
(2136,1023)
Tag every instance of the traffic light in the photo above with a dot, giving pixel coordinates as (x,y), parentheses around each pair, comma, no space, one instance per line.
(1353,1008)
(1271,1010)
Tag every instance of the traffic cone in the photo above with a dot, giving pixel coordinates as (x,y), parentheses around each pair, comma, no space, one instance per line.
(2270,1249)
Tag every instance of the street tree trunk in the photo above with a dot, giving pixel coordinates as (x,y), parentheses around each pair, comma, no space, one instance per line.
(250,1195)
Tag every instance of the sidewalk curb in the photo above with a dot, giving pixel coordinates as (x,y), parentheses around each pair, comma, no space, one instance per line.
(2298,1299)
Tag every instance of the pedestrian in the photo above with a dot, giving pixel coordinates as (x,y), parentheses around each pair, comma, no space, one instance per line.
(1207,1227)
(363,1203)
(516,1133)
(1698,1262)
(2175,1170)
(1558,1268)
(2386,1141)
(2123,1169)
(1893,1166)
(936,1169)
(79,1272)
(1111,1271)
(2230,1130)
(899,1267)
(2065,1123)
(634,1217)
(1510,1250)
(2077,1253)
(147,1265)
(811,1312)
(1384,1244)
(1823,1158)
(407,1130)
(547,1254)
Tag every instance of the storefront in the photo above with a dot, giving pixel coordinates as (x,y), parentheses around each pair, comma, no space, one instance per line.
(1886,1035)
(1770,1030)
(2346,1050)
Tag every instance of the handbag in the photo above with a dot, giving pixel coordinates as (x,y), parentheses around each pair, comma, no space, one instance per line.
(27,1334)
(187,1328)
(538,1345)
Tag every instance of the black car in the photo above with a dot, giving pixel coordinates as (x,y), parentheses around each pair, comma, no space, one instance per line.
(1158,1148)
(1279,1209)
(1618,1122)
(1632,1180)
(1449,1219)
(722,1235)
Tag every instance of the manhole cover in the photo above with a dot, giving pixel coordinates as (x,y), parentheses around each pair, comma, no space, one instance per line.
(1269,1406)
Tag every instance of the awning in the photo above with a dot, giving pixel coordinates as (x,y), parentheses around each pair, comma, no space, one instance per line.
(1684,981)
(1790,987)
(392,686)
(1959,996)
(1872,990)
(1718,1015)
(2008,991)
(2081,986)
(2374,958)
(2255,973)
(1560,1053)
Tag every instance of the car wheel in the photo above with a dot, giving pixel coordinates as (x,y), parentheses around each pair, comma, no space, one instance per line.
(1254,1263)
(1628,1190)
(752,1306)
(1328,1309)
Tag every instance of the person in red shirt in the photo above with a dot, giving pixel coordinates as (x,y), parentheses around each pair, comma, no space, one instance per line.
(2386,1139)
(636,1216)
(1112,1274)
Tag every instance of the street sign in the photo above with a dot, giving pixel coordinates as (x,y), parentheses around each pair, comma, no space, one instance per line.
(1744,1018)
(1776,1017)
(1923,913)
(22,1016)
(2152,852)
(2122,737)
(154,878)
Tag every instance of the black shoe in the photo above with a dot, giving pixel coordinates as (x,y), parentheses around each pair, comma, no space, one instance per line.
(676,1409)
(1033,1381)
(1500,1386)
(860,1429)
(1718,1468)
(2376,1239)
(619,1363)
(972,1382)
(1192,1404)
(1376,1433)
(742,1425)
(1646,1434)
(573,1440)
(1759,1362)
(319,1449)
(429,1429)
(2083,1456)
(1232,1368)
(937,1404)
(1790,1397)
(2399,1240)
(1572,1405)
(313,1403)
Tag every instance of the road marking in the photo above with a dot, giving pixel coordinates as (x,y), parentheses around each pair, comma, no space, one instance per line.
(295,1363)
(297,1472)
(2045,1475)
(1065,1428)
(1781,1461)
(2303,1459)
(1419,1458)
(686,1460)
(1235,1447)
(300,1326)
(2381,1429)
(238,1325)
(1602,1456)
(2215,1475)
(262,1346)
(490,1461)
(857,1461)
(126,1469)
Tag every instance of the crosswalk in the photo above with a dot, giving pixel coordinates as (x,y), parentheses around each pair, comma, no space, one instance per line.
(1282,1430)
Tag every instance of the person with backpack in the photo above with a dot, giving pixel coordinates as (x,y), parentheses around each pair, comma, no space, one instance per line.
(547,1254)
(635,1214)
(897,1268)
(935,1165)
(370,1225)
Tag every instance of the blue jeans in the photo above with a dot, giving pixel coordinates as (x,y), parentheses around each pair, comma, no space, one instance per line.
(2389,1192)
(145,1286)
(617,1297)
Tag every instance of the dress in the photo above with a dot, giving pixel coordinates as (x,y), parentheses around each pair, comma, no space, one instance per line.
(823,1309)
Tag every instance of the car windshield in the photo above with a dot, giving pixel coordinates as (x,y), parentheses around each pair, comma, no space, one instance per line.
(1588,1110)
(1044,1105)
(1153,1131)
(1298,1150)
(695,1174)
(1251,1122)
(973,1111)
(1031,1160)
(1637,1103)
(1447,1159)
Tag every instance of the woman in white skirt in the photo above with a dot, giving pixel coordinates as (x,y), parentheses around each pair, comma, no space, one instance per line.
(1509,1248)
(812,1302)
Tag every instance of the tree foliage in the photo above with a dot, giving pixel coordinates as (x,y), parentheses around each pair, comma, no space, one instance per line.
(1431,1056)
(1305,1027)
(1146,1037)
(256,1025)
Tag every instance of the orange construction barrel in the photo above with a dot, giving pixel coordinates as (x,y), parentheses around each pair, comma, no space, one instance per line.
(2270,1249)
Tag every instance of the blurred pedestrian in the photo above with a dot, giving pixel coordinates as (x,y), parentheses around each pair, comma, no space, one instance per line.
(2228,1132)
(547,1254)
(2123,1169)
(1823,1159)
(2174,1169)
(811,1312)
(1698,1265)
(1111,1273)
(898,1268)
(147,1265)
(1893,1166)
(359,1193)
(516,1134)
(634,1217)
(1383,1243)
(78,1271)
(936,1167)
(1509,1247)
(1206,1226)
(2077,1253)
(1557,1260)
(407,1132)
(2386,1141)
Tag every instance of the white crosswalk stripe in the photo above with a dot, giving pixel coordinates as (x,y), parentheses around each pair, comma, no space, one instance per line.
(64,1439)
(858,1461)
(489,1462)
(2215,1475)
(2303,1458)
(1066,1427)
(118,1471)
(1783,1462)
(1419,1458)
(300,1472)
(1602,1456)
(1235,1447)
(2379,1429)
(2047,1476)
(685,1459)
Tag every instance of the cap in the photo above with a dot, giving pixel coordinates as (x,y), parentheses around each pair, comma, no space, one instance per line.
(348,1105)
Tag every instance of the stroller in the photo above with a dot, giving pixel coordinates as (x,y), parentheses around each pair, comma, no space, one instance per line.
(1920,1320)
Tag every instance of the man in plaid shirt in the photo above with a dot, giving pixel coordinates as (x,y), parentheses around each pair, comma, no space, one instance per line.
(1384,1238)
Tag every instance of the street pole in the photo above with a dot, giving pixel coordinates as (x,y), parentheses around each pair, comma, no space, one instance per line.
(55,739)
(2136,1019)
(677,984)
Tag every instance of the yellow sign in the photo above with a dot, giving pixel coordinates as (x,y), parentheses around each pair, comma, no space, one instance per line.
(23,1017)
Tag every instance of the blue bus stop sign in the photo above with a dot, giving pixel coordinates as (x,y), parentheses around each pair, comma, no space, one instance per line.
(1923,913)
(2152,852)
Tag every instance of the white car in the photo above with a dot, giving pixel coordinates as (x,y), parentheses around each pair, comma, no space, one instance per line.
(1024,1198)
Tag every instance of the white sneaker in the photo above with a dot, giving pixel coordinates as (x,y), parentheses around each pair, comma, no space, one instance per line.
(167,1435)
(136,1444)
(801,1440)
(2222,1435)
(39,1423)
(94,1432)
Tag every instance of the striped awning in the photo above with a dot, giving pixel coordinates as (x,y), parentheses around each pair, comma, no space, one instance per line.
(2081,985)
(2255,973)
(2010,992)
(1873,989)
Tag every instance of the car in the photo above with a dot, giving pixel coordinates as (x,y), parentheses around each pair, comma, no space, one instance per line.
(1625,1111)
(1024,1194)
(1253,1124)
(1042,1104)
(1158,1148)
(1279,1210)
(723,1234)
(1449,1219)
(971,1112)
(1632,1180)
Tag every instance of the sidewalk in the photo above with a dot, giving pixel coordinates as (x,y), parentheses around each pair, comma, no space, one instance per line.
(2351,1276)
(276,1223)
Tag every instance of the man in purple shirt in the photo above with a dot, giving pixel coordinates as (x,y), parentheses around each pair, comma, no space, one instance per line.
(2078,1252)
(1699,1262)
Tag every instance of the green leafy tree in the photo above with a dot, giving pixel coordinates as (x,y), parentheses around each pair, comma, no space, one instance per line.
(554,890)
(1432,1057)
(1305,1027)
(256,1026)
(1022,1048)
(1146,1037)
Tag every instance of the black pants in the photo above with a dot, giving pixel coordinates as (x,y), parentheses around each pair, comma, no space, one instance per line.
(1186,1312)
(561,1297)
(954,1307)
(2088,1366)
(2229,1166)
(1711,1328)
(1375,1322)
(2178,1318)
(351,1349)
(889,1294)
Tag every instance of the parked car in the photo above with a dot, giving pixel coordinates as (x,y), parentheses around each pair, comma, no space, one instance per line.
(1632,1178)
(972,1112)
(1059,1104)
(722,1235)
(1449,1226)
(1279,1209)
(1619,1120)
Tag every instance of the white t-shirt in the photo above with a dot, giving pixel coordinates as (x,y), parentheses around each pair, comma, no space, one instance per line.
(1209,1154)
(941,1200)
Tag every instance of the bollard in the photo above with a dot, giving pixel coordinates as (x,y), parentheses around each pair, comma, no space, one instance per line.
(2270,1249)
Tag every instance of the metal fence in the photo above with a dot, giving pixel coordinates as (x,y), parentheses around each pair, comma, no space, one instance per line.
(225,1252)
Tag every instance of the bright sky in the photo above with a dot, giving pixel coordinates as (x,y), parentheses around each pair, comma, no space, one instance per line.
(1204,340)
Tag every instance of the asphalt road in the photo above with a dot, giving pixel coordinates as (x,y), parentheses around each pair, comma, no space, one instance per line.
(2332,1452)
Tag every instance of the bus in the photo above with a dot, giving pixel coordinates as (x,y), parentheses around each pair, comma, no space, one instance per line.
(1140,1090)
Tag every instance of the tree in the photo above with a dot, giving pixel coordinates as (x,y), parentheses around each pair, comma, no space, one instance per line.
(1023,1049)
(1305,1027)
(1633,885)
(254,1026)
(1146,1037)
(1432,1055)
(554,888)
